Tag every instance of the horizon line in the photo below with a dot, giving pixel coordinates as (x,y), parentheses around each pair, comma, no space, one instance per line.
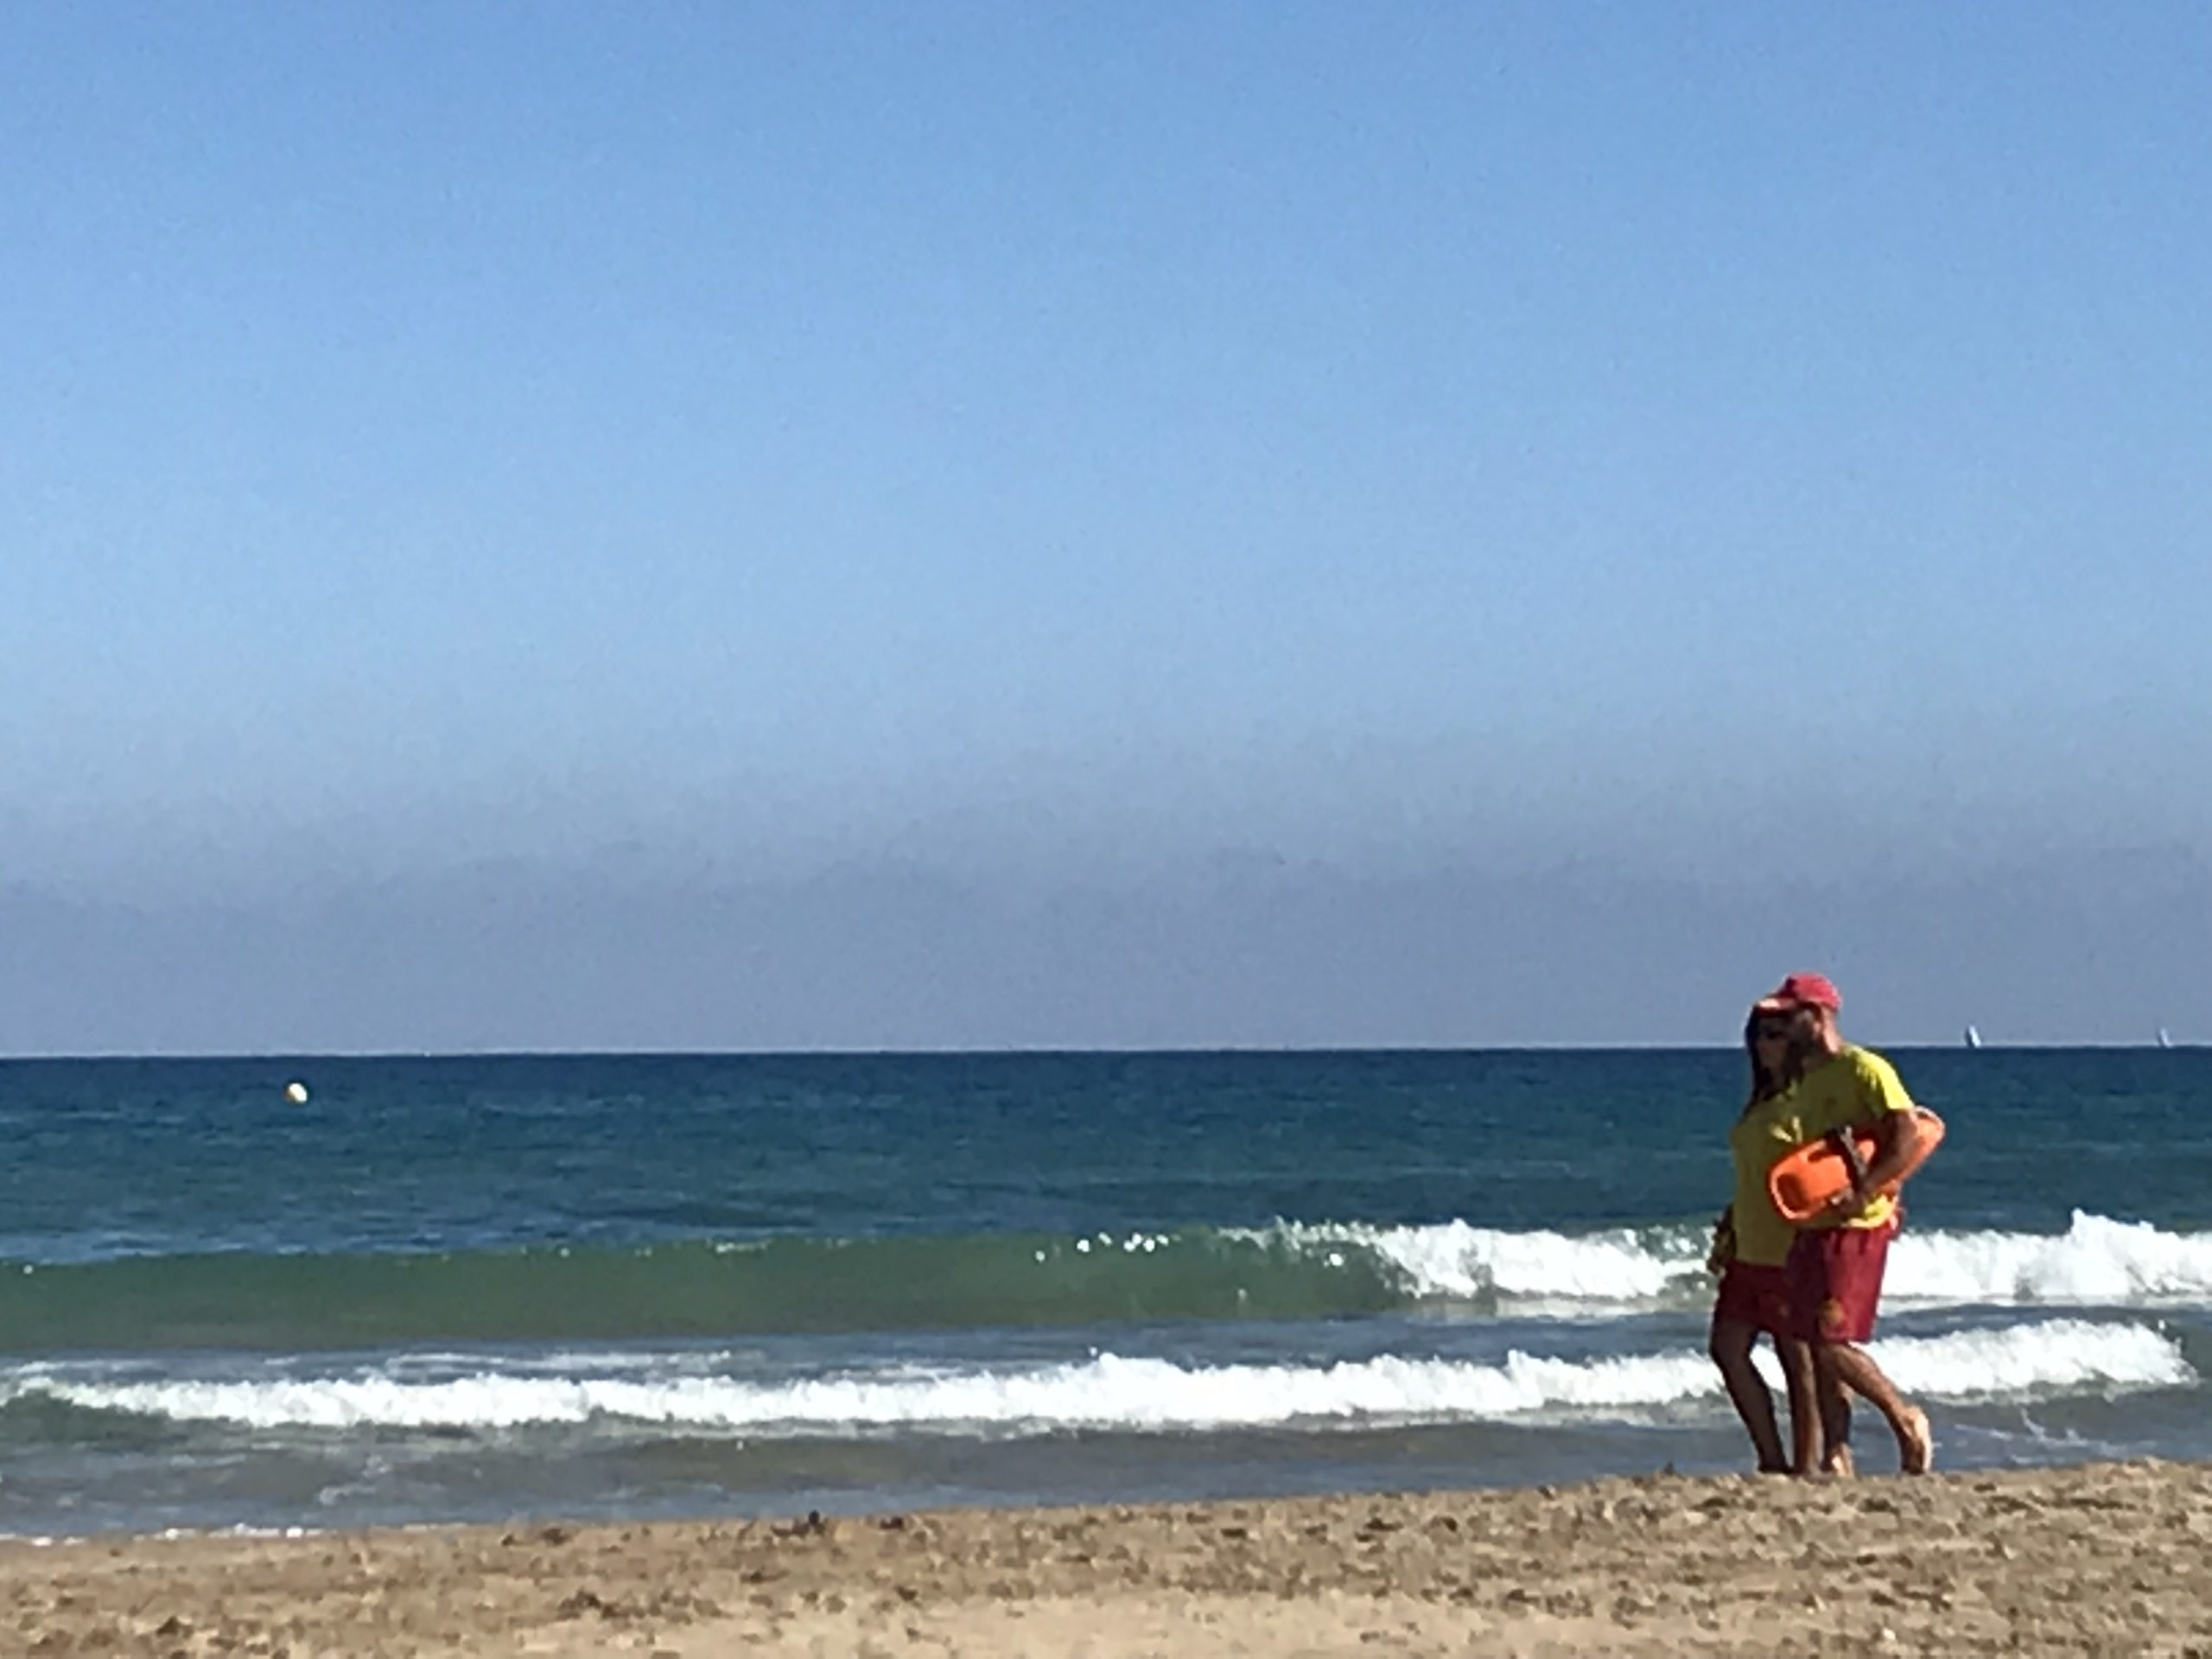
(1040,1050)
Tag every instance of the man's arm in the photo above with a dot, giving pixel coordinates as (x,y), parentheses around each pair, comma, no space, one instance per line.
(1897,1137)
(1893,1120)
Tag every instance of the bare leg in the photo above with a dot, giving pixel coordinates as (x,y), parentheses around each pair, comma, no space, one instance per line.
(1807,1432)
(1835,1414)
(1731,1348)
(1853,1368)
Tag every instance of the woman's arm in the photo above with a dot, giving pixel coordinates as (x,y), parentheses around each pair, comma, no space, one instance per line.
(1724,1242)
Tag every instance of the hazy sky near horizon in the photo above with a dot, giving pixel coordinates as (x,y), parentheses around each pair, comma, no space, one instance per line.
(696,525)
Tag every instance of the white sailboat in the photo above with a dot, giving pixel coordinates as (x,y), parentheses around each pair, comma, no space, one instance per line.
(2165,1039)
(1973,1038)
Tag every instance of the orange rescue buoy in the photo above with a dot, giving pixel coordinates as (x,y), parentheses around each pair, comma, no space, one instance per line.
(1806,1177)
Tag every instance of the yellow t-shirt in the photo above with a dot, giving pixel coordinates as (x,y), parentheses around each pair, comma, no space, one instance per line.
(1856,1086)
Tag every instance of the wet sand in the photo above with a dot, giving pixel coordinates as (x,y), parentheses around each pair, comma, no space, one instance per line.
(2102,1558)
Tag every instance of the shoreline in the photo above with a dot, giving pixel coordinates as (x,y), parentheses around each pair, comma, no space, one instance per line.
(2087,1557)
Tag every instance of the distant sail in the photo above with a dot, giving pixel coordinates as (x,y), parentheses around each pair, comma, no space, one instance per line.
(1973,1038)
(2166,1040)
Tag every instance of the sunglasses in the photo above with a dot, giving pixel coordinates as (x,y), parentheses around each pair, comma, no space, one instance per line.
(1772,1030)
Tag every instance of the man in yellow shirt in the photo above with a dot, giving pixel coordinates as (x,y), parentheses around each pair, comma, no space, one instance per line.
(1835,1262)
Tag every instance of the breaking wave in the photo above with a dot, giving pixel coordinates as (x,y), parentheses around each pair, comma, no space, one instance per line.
(703,1289)
(1106,1392)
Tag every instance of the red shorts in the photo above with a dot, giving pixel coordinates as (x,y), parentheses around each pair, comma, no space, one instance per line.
(1756,1296)
(1835,1281)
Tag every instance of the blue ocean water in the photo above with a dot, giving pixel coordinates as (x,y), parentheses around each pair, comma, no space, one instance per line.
(484,1288)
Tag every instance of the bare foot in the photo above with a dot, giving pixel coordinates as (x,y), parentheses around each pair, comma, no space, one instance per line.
(1915,1444)
(1838,1463)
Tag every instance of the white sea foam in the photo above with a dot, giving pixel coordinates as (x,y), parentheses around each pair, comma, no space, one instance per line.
(1458,1262)
(1112,1392)
(2052,1357)
(2095,1262)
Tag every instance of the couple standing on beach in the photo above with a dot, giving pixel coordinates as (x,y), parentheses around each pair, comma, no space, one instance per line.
(1812,1288)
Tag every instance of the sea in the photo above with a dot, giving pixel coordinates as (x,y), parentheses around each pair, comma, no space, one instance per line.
(413,1290)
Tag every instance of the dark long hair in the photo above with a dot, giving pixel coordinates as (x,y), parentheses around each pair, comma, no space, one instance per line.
(1767,1082)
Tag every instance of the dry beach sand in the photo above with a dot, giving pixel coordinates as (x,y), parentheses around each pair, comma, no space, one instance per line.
(2104,1559)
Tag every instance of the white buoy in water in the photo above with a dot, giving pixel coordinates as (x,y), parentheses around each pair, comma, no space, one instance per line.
(296,1092)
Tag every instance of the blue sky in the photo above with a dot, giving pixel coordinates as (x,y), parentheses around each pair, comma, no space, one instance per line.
(493,483)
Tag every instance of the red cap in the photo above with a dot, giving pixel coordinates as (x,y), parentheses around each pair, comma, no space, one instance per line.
(1804,991)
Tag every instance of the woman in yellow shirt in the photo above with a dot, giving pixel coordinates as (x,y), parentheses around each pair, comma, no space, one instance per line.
(1750,1247)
